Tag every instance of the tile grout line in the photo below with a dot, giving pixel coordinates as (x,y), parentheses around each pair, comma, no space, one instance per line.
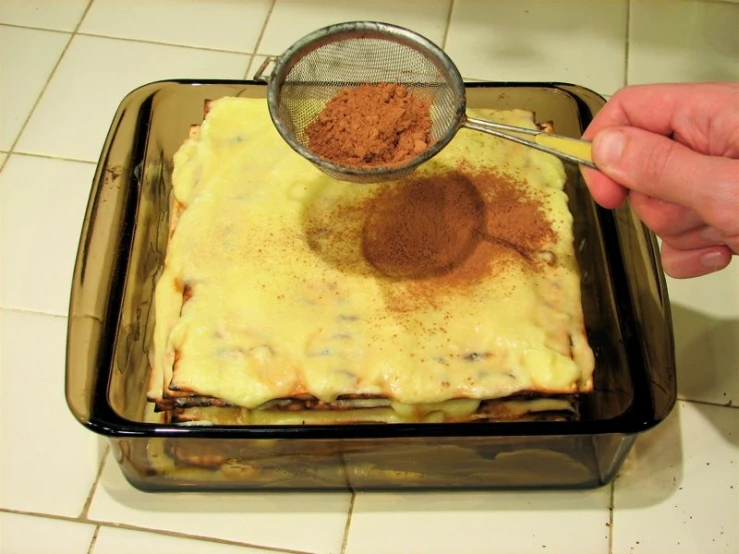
(448,25)
(68,519)
(93,488)
(175,534)
(53,71)
(248,66)
(729,404)
(31,312)
(259,39)
(51,157)
(611,509)
(32,28)
(146,41)
(159,43)
(347,526)
(91,548)
(258,43)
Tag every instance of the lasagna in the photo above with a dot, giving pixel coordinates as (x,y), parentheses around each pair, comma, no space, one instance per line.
(289,298)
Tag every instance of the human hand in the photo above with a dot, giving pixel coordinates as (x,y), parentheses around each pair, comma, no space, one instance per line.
(673,151)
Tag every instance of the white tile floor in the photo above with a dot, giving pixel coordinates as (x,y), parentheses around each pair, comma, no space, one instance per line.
(316,522)
(27,57)
(62,15)
(706,328)
(230,26)
(292,19)
(66,64)
(111,540)
(75,111)
(689,41)
(58,191)
(540,40)
(49,462)
(679,491)
(438,522)
(22,534)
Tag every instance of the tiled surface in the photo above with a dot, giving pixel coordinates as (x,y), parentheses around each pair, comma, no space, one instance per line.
(443,522)
(540,40)
(61,15)
(23,534)
(27,57)
(679,492)
(667,494)
(293,19)
(33,193)
(49,462)
(705,316)
(226,25)
(683,41)
(316,521)
(75,112)
(118,541)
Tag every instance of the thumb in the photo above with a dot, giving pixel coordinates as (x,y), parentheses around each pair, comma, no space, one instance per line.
(663,168)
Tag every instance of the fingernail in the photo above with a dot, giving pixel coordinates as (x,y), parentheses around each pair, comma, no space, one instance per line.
(608,146)
(713,261)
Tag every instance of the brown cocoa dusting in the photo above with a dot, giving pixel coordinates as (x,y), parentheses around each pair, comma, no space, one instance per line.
(474,241)
(430,236)
(371,126)
(424,226)
(515,217)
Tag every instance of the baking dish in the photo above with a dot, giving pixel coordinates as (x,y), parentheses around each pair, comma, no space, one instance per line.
(123,241)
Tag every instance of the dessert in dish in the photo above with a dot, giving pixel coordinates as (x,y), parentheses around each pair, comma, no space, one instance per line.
(287,297)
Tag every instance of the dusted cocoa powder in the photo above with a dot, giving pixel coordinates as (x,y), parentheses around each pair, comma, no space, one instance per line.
(430,236)
(423,226)
(371,126)
(443,233)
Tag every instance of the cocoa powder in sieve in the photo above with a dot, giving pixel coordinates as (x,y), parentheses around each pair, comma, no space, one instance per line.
(371,126)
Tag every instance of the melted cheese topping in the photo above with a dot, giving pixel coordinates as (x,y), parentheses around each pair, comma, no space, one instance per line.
(282,301)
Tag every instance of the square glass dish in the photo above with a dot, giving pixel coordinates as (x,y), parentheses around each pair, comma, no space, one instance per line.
(122,247)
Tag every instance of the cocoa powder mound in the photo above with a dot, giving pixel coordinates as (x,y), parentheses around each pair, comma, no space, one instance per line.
(371,126)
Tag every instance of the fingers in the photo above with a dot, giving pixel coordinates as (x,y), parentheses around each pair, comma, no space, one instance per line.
(666,219)
(684,264)
(673,151)
(603,189)
(690,248)
(703,237)
(663,168)
(691,110)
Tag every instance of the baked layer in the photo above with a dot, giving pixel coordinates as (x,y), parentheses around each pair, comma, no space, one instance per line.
(281,283)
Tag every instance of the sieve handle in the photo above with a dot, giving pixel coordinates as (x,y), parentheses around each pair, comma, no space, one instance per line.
(261,75)
(569,149)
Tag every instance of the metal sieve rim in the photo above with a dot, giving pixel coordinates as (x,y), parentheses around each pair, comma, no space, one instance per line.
(377,29)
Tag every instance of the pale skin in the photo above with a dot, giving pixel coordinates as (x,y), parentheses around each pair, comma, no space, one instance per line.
(677,163)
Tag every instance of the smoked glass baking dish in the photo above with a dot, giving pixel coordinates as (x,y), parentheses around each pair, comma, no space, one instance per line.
(122,246)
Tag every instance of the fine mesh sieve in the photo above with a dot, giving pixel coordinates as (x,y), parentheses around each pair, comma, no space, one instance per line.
(313,70)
